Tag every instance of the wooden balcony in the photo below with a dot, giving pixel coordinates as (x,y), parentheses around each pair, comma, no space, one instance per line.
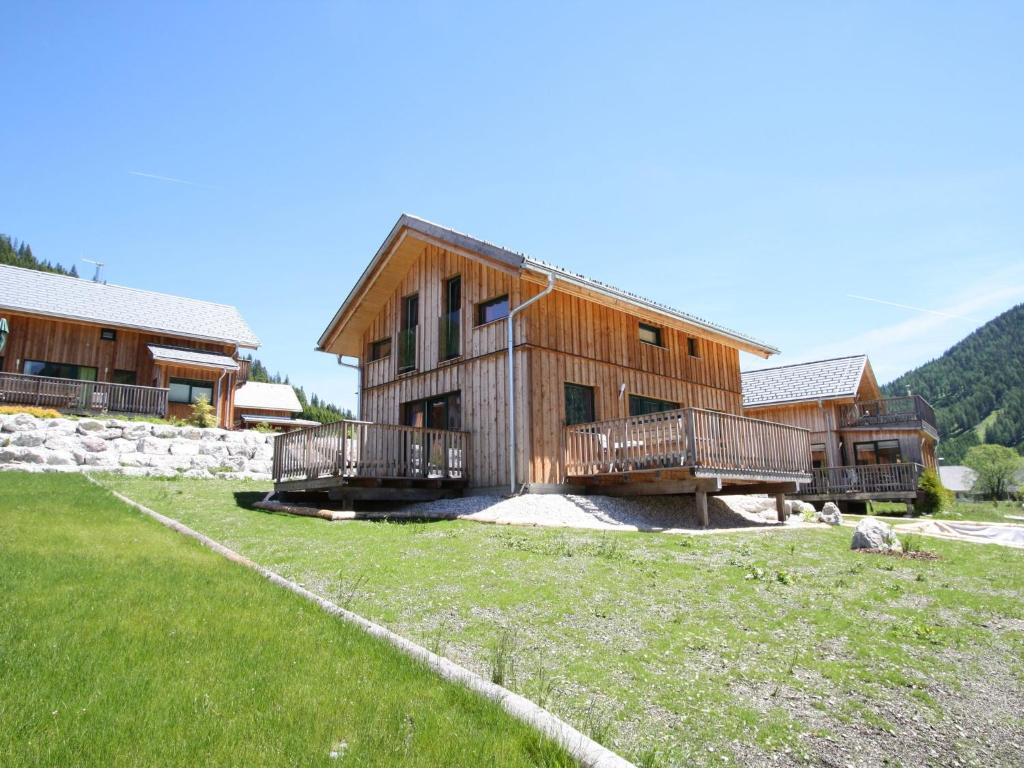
(82,397)
(703,444)
(913,411)
(863,482)
(346,452)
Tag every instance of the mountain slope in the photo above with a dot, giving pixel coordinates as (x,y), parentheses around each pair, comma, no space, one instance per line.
(976,386)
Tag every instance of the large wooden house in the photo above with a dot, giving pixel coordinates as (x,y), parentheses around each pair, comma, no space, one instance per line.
(457,339)
(864,447)
(88,347)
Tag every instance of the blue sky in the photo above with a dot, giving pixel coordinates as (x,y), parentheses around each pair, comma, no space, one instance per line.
(761,165)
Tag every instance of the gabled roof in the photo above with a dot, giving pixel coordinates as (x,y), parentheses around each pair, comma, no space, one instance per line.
(838,377)
(509,259)
(274,397)
(73,298)
(183,356)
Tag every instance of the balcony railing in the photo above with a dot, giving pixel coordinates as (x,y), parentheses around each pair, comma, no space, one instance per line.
(864,478)
(893,410)
(720,443)
(361,449)
(81,396)
(450,335)
(407,350)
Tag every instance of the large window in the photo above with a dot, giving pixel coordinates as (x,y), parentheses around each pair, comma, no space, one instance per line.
(639,406)
(380,349)
(59,370)
(878,452)
(440,412)
(579,404)
(650,334)
(407,336)
(451,319)
(494,309)
(185,391)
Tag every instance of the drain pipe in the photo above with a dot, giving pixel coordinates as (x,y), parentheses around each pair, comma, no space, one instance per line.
(512,381)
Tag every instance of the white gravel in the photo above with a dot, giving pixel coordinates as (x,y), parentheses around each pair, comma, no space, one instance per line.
(667,514)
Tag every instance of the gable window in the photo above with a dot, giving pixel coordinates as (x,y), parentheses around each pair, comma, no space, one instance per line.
(380,349)
(123,377)
(579,404)
(640,406)
(650,334)
(407,336)
(692,347)
(186,391)
(451,319)
(439,412)
(491,310)
(108,334)
(877,452)
(59,370)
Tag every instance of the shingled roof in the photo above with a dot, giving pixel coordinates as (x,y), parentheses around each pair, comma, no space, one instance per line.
(818,380)
(72,298)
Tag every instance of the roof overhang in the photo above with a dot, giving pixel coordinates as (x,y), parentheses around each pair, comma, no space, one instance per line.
(191,358)
(801,401)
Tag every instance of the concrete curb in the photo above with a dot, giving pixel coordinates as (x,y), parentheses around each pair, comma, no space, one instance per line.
(583,749)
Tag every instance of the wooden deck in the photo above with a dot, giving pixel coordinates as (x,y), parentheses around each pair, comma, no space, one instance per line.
(866,482)
(913,411)
(359,460)
(82,397)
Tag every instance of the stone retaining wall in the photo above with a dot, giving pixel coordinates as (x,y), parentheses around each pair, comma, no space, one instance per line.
(131,448)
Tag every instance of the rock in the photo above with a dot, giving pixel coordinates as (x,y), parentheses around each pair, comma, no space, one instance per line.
(179,448)
(153,445)
(801,507)
(164,431)
(210,448)
(28,439)
(170,462)
(136,431)
(109,433)
(120,445)
(874,534)
(93,444)
(90,425)
(134,460)
(61,458)
(214,433)
(100,460)
(830,514)
(23,455)
(240,449)
(191,433)
(21,422)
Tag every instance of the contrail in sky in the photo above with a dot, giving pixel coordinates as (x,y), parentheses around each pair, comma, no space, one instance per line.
(169,178)
(915,309)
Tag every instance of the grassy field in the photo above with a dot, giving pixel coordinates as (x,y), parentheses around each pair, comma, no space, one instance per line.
(980,511)
(124,644)
(731,649)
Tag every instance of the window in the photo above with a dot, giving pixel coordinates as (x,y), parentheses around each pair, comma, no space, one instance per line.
(650,334)
(380,349)
(407,336)
(579,404)
(185,391)
(451,320)
(878,452)
(692,347)
(819,459)
(494,309)
(108,334)
(639,406)
(440,412)
(123,377)
(59,370)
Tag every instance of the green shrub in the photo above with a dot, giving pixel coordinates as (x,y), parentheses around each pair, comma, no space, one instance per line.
(263,427)
(932,496)
(203,414)
(39,413)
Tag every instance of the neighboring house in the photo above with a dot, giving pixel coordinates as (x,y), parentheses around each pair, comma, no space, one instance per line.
(89,347)
(863,447)
(959,480)
(275,405)
(613,392)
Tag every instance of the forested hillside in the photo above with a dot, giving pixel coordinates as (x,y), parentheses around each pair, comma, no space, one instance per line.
(20,255)
(312,407)
(977,387)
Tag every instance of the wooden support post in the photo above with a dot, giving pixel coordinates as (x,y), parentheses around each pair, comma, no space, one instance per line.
(702,508)
(780,506)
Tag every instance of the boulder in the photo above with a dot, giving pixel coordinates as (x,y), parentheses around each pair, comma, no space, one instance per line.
(23,455)
(874,534)
(100,459)
(801,507)
(191,433)
(134,460)
(240,449)
(93,444)
(184,448)
(90,425)
(136,431)
(830,514)
(211,448)
(122,445)
(153,445)
(61,458)
(29,439)
(20,422)
(165,431)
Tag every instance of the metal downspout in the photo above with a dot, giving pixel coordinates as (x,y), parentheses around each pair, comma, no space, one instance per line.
(512,380)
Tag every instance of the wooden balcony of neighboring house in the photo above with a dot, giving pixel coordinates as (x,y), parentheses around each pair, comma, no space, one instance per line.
(864,482)
(82,397)
(359,460)
(686,450)
(911,411)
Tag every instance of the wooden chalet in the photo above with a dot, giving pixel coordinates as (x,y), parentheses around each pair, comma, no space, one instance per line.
(864,447)
(87,347)
(274,405)
(607,392)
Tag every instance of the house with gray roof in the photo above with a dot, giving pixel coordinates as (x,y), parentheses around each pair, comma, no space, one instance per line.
(864,447)
(90,347)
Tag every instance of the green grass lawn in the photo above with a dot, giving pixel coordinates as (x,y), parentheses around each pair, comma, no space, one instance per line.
(124,644)
(980,511)
(726,649)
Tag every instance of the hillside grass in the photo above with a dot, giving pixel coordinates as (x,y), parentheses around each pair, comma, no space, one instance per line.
(123,644)
(779,647)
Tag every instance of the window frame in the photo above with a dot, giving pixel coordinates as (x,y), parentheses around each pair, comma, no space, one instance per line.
(875,450)
(482,305)
(426,403)
(693,346)
(59,375)
(644,398)
(371,356)
(192,384)
(108,334)
(657,330)
(447,311)
(591,390)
